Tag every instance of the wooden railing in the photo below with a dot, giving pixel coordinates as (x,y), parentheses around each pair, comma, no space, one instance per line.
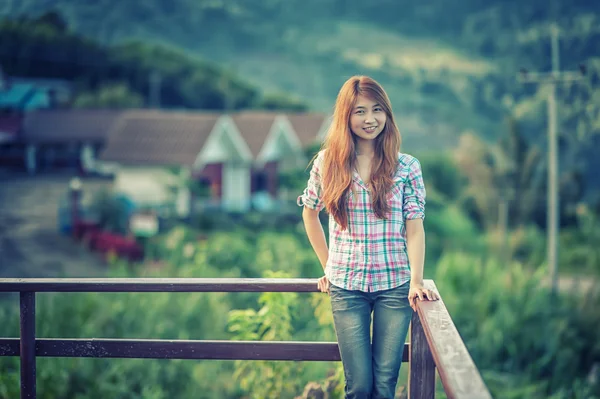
(434,340)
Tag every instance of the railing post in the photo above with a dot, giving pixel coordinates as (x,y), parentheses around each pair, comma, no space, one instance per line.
(28,369)
(421,380)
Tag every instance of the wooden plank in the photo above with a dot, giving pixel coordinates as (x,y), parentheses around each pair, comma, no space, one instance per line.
(458,373)
(421,378)
(27,345)
(181,349)
(158,285)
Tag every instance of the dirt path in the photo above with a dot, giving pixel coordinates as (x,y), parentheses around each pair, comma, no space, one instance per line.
(30,242)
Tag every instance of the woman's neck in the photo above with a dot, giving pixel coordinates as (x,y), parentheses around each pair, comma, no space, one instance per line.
(365,148)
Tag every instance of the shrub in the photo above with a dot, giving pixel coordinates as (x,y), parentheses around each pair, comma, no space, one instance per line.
(514,327)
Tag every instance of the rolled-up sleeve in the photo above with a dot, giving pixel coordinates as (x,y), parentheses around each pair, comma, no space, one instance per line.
(414,193)
(312,195)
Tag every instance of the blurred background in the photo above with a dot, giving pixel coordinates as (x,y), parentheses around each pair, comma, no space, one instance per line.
(171,139)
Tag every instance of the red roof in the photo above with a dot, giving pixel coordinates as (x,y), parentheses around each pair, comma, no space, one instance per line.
(254,126)
(307,126)
(68,125)
(155,137)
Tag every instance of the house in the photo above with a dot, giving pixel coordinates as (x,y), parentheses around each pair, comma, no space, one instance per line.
(309,127)
(26,94)
(275,148)
(231,161)
(237,157)
(11,152)
(24,97)
(160,153)
(65,138)
(18,96)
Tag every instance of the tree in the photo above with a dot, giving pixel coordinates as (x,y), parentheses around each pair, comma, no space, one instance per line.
(55,20)
(507,173)
(117,95)
(273,322)
(281,102)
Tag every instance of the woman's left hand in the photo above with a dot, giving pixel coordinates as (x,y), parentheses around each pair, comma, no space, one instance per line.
(422,293)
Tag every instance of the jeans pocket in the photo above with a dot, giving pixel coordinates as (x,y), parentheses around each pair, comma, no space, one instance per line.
(396,297)
(402,291)
(334,292)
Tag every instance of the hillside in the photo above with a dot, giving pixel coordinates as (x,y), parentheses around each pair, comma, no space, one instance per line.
(447,69)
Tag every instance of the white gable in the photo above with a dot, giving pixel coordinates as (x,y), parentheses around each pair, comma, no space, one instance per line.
(225,144)
(282,144)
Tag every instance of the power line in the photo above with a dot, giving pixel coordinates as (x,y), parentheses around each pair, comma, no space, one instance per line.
(551,79)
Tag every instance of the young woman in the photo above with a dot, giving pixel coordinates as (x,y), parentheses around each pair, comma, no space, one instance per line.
(375,198)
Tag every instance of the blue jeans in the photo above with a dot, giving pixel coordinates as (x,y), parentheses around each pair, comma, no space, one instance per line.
(371,366)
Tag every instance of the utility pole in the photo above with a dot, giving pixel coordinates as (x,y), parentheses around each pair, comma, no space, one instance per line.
(551,79)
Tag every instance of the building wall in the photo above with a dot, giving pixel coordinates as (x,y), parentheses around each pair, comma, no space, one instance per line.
(271,170)
(212,173)
(236,187)
(152,186)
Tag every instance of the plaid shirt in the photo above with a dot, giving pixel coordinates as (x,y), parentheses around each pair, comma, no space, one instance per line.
(371,254)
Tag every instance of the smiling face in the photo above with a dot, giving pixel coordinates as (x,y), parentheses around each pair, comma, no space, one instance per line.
(367,119)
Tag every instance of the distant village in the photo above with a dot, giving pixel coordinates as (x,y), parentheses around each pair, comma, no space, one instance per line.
(153,154)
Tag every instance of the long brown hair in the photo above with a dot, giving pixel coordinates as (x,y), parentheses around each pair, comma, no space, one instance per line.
(339,158)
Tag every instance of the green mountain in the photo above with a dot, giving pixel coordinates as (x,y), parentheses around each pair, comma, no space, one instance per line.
(448,67)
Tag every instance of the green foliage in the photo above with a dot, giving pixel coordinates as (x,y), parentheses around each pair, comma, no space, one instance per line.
(109,96)
(525,345)
(293,180)
(119,76)
(281,101)
(527,244)
(512,325)
(125,315)
(109,212)
(233,251)
(271,323)
(54,20)
(580,253)
(278,252)
(449,229)
(442,176)
(455,67)
(505,172)
(448,224)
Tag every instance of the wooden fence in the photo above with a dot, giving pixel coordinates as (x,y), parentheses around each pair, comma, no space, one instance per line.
(434,340)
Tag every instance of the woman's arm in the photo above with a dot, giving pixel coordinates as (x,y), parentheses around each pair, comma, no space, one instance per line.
(415,247)
(316,235)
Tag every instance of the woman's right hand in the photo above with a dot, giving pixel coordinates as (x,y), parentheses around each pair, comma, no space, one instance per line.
(323,284)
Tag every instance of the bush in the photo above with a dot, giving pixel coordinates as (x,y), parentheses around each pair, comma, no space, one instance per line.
(515,329)
(579,250)
(125,315)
